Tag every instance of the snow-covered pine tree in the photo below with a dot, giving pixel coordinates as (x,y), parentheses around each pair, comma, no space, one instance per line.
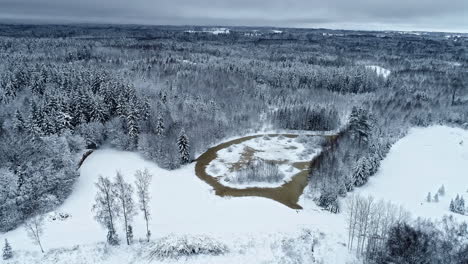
(458,205)
(461,206)
(7,251)
(441,190)
(183,145)
(361,172)
(436,198)
(360,124)
(132,125)
(429,197)
(159,125)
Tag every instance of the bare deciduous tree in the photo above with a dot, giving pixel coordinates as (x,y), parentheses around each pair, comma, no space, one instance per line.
(106,208)
(142,183)
(369,222)
(35,228)
(123,192)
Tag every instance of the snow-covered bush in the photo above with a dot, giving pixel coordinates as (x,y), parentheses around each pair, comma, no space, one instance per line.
(175,247)
(298,249)
(258,171)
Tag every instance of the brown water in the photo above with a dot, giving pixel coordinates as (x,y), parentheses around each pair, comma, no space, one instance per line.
(287,194)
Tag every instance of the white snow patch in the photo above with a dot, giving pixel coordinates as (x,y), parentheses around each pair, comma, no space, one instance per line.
(422,162)
(379,70)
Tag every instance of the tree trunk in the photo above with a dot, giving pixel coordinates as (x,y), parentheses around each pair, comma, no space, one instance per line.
(147,228)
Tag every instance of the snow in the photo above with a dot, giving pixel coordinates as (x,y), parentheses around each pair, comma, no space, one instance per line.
(214,31)
(276,148)
(255,230)
(217,31)
(181,204)
(422,162)
(379,70)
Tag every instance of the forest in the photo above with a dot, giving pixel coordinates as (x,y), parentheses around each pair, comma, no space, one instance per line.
(169,93)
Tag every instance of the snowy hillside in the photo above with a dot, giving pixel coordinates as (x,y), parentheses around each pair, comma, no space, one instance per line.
(422,162)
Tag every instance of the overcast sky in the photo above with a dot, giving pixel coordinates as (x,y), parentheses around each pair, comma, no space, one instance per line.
(429,15)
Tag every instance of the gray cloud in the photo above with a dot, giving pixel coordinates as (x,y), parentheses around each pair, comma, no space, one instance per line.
(437,15)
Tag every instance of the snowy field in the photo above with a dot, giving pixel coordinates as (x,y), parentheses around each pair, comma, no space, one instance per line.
(422,162)
(279,149)
(182,204)
(254,230)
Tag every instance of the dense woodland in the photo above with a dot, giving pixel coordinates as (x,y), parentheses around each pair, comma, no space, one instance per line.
(169,94)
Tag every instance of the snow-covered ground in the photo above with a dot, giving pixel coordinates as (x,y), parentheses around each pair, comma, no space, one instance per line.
(422,162)
(255,230)
(276,148)
(182,204)
(379,70)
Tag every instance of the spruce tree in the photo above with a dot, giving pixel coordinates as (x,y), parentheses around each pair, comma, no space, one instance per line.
(429,197)
(461,206)
(361,172)
(360,124)
(183,144)
(441,190)
(132,126)
(159,125)
(7,251)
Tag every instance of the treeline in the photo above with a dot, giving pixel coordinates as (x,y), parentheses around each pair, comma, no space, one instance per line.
(315,118)
(424,241)
(380,232)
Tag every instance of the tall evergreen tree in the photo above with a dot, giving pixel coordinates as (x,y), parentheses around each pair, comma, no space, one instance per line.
(183,145)
(159,125)
(7,251)
(360,124)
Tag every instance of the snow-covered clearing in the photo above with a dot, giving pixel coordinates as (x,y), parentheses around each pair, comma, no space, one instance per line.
(280,149)
(379,70)
(254,229)
(182,204)
(422,162)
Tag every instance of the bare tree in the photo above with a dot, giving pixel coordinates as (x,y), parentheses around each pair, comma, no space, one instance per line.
(369,222)
(123,192)
(142,183)
(35,228)
(106,208)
